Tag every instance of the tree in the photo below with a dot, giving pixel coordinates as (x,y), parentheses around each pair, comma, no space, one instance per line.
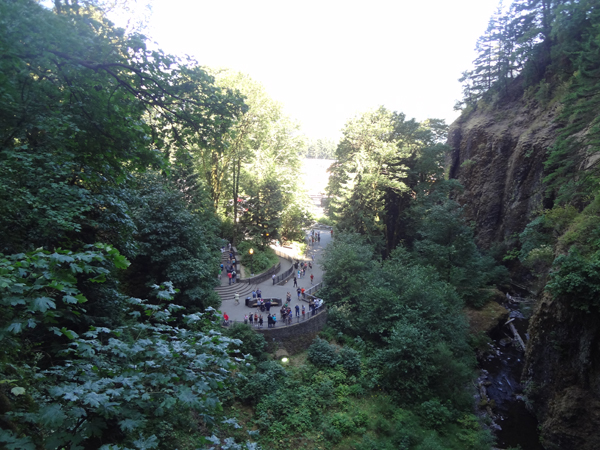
(84,106)
(175,245)
(263,144)
(263,219)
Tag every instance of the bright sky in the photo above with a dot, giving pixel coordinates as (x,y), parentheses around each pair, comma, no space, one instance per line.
(328,60)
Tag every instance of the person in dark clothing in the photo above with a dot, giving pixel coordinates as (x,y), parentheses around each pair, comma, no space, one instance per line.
(295,281)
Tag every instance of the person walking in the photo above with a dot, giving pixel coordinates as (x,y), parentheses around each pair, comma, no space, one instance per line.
(273,277)
(260,321)
(297,311)
(302,291)
(311,278)
(298,291)
(256,318)
(237,298)
(288,298)
(229,276)
(233,276)
(295,282)
(303,312)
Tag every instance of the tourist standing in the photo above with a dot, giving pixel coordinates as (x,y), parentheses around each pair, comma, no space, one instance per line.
(297,311)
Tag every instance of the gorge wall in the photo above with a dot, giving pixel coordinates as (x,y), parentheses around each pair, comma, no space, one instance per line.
(497,155)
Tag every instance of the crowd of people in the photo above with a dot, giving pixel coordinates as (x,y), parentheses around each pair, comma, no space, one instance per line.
(287,312)
(229,266)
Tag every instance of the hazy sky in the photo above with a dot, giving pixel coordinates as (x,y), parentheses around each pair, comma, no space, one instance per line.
(328,60)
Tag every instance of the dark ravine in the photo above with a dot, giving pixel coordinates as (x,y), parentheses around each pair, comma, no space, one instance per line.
(501,366)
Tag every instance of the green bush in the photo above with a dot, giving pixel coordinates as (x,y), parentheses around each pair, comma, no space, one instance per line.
(350,359)
(321,353)
(578,279)
(251,342)
(435,414)
(260,261)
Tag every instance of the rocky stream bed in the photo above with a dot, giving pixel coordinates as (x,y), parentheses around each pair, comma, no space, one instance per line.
(500,393)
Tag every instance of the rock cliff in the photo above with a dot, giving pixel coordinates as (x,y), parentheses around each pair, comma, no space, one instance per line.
(562,374)
(498,155)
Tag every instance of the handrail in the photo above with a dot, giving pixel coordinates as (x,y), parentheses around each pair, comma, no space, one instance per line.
(280,324)
(314,288)
(263,276)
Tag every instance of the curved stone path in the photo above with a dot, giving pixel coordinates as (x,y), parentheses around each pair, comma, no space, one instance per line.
(236,312)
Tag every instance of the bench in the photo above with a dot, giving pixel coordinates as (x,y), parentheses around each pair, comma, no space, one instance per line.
(253,302)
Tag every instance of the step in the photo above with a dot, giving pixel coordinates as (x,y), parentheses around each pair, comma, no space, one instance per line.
(229,294)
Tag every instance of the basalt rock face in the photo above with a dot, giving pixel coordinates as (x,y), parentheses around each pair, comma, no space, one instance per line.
(498,157)
(562,375)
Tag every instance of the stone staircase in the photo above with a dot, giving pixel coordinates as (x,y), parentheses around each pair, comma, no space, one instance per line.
(227,292)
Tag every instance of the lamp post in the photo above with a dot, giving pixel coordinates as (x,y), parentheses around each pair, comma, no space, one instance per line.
(251,251)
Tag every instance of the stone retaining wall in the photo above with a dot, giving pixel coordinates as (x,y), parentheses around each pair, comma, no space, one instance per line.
(294,338)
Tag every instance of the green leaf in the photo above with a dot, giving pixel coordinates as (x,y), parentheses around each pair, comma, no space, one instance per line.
(52,415)
(43,304)
(17,391)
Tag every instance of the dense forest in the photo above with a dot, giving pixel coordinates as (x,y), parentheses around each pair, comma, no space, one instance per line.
(123,170)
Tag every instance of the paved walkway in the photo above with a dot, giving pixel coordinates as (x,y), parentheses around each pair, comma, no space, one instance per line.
(237,312)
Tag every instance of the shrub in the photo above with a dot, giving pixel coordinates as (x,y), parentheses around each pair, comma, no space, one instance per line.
(321,353)
(344,423)
(350,359)
(251,342)
(435,414)
(578,279)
